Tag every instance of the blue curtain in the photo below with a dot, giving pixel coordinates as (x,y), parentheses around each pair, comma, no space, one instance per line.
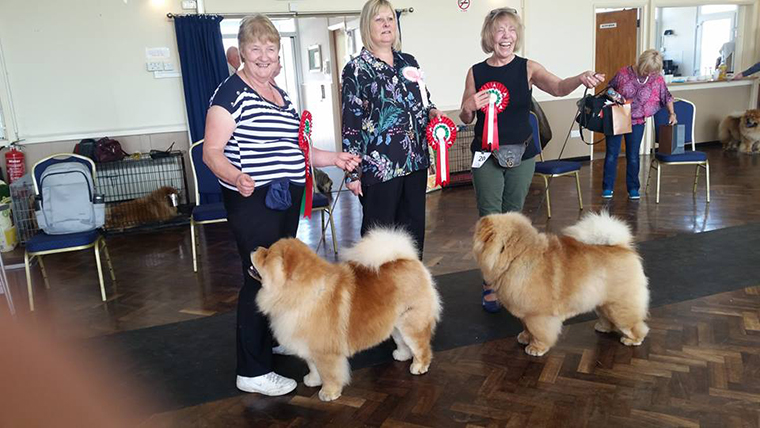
(204,66)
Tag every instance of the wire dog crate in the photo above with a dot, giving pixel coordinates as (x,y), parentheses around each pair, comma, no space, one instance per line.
(22,207)
(460,156)
(142,191)
(138,191)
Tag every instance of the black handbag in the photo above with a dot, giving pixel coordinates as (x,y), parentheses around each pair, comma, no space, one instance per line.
(594,115)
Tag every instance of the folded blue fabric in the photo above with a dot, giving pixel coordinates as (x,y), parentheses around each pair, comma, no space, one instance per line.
(278,195)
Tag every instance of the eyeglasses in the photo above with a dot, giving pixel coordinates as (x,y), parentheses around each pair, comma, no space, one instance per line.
(501,10)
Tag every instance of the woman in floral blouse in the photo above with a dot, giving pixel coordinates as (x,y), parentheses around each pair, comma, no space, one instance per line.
(644,86)
(386,109)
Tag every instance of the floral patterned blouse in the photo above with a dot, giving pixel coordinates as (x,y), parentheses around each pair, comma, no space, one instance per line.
(384,119)
(646,98)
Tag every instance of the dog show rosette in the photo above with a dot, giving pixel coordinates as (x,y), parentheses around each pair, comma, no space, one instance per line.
(498,100)
(304,142)
(441,133)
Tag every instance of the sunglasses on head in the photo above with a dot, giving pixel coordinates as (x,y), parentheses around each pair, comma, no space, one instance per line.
(503,9)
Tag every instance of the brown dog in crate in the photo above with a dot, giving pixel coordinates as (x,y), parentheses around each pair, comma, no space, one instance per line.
(159,206)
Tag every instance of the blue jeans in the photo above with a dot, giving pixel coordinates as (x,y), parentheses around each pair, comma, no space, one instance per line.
(632,144)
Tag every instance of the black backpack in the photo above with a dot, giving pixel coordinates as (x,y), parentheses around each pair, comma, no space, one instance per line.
(86,148)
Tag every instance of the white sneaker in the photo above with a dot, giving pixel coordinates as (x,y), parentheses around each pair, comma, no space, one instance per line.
(270,384)
(281,350)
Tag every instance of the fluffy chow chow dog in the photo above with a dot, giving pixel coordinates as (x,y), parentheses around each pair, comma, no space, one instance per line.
(325,312)
(544,279)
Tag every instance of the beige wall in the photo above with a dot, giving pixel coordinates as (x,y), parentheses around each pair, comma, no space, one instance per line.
(78,68)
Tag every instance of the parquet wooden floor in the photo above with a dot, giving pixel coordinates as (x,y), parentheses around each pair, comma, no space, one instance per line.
(700,365)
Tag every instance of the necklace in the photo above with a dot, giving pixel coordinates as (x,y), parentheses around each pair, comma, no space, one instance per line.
(644,82)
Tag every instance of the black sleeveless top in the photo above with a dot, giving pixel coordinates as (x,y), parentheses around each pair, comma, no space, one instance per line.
(514,127)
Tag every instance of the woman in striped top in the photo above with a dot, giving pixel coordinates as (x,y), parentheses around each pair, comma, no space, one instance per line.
(251,145)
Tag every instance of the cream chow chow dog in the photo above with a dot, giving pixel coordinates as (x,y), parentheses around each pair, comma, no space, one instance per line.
(544,279)
(326,312)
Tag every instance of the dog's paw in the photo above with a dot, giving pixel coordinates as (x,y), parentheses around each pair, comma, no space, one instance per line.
(535,350)
(523,338)
(312,380)
(329,394)
(627,341)
(603,326)
(418,368)
(402,354)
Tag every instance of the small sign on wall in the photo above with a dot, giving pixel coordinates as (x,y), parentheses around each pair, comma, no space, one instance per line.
(463,5)
(608,25)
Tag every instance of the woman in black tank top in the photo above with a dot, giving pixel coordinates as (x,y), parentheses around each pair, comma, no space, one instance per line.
(501,188)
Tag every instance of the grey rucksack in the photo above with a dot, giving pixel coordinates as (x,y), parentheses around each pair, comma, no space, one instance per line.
(67,202)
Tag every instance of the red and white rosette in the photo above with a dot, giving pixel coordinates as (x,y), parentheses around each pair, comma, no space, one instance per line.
(441,133)
(304,142)
(498,100)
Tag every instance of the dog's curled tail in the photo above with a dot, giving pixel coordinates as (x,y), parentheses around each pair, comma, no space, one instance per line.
(601,229)
(380,246)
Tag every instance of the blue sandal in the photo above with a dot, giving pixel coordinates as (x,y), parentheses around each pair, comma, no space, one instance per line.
(490,306)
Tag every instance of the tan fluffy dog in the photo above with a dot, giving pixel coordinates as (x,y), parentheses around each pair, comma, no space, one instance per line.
(326,312)
(155,207)
(741,131)
(544,279)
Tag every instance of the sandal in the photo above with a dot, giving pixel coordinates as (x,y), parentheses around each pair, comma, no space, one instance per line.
(492,306)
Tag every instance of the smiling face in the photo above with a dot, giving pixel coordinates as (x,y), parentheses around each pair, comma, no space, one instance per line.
(504,37)
(260,59)
(383,28)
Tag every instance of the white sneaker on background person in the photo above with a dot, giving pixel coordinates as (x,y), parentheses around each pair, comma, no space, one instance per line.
(270,384)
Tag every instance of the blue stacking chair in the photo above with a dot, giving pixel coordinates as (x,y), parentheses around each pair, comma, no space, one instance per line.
(43,244)
(557,168)
(209,207)
(685,112)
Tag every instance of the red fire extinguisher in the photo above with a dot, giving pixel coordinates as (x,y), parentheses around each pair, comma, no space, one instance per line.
(14,163)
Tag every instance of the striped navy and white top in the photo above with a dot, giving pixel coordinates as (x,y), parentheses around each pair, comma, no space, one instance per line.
(264,144)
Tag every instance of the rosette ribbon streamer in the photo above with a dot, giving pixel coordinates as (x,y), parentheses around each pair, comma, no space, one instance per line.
(415,75)
(304,142)
(498,100)
(441,133)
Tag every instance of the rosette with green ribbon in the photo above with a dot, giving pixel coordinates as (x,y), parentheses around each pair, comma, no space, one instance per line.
(441,133)
(498,100)
(304,142)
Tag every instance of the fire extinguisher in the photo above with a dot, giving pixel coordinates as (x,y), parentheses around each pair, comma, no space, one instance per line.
(14,163)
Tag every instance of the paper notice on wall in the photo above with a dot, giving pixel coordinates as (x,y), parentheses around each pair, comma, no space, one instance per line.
(152,54)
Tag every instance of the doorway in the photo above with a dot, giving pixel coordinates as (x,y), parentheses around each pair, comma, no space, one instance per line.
(617,45)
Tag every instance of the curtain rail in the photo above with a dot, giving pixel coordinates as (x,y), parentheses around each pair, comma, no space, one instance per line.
(291,14)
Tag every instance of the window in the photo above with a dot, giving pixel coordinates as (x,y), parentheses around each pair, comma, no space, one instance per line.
(695,40)
(716,30)
(287,27)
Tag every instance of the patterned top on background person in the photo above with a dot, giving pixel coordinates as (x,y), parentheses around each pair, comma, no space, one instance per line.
(646,98)
(384,119)
(264,143)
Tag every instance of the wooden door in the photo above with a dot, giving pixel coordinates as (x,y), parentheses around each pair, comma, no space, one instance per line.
(616,44)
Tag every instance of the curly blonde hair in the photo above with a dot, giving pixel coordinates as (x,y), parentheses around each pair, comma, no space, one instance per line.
(649,62)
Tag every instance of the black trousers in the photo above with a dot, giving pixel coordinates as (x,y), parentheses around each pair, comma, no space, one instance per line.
(254,225)
(397,202)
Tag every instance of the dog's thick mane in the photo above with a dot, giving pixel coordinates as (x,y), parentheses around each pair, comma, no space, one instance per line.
(380,246)
(601,229)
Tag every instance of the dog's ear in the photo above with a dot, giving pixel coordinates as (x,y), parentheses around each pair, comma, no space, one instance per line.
(485,229)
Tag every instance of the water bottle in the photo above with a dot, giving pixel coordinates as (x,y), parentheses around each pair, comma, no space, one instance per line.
(614,96)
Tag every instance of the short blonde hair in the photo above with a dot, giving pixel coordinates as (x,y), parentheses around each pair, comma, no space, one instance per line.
(369,11)
(486,33)
(649,62)
(257,27)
